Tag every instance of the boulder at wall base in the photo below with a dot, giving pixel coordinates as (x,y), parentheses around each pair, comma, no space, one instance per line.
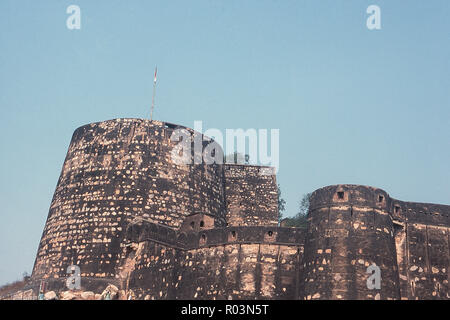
(51,295)
(87,295)
(122,295)
(110,292)
(67,295)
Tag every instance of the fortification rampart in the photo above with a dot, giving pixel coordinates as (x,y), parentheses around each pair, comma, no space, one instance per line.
(359,226)
(116,171)
(229,263)
(128,215)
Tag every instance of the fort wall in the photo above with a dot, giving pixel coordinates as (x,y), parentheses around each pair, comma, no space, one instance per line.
(229,263)
(349,230)
(116,171)
(128,215)
(351,227)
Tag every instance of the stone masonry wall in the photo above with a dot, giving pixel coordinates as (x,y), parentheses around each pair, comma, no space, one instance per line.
(422,245)
(351,227)
(251,195)
(129,216)
(116,171)
(229,263)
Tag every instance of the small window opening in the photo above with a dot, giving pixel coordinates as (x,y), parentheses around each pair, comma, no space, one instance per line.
(270,233)
(192,224)
(397,209)
(340,194)
(380,198)
(202,224)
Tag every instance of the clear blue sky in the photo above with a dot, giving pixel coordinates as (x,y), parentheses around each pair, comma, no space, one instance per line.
(352,105)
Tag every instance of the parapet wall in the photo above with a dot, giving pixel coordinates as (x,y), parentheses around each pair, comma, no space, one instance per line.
(227,263)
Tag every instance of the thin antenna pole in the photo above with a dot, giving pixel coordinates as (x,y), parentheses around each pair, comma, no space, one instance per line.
(154,92)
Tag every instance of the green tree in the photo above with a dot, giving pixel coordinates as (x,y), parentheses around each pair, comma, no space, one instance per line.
(300,219)
(304,205)
(281,205)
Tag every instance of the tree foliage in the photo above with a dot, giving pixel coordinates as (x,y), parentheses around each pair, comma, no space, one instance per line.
(300,219)
(281,205)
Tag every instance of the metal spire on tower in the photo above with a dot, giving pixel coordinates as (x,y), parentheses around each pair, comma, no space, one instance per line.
(154,92)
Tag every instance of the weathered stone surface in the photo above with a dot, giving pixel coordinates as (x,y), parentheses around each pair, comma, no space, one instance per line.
(51,295)
(87,295)
(114,172)
(252,195)
(138,223)
(67,295)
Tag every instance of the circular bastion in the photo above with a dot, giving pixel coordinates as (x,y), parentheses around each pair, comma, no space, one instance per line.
(114,172)
(350,237)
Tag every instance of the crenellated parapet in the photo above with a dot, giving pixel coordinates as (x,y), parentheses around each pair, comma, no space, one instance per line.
(140,231)
(374,198)
(237,262)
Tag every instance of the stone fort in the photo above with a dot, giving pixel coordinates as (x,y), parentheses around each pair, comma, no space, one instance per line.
(129,216)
